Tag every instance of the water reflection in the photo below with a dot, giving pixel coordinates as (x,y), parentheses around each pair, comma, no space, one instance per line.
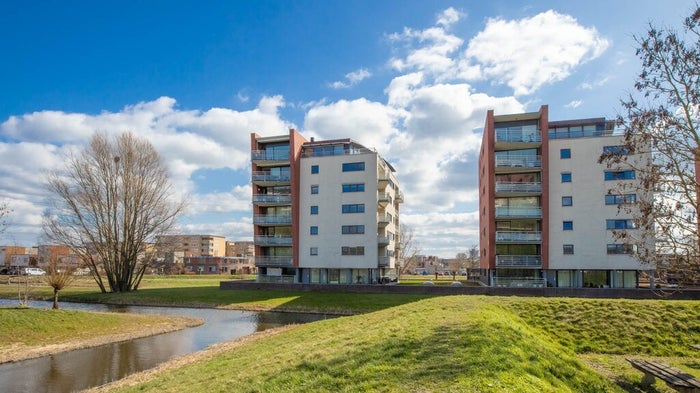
(81,369)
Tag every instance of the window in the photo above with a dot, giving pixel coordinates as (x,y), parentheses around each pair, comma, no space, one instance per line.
(356,187)
(620,199)
(353,166)
(313,251)
(314,189)
(313,230)
(566,177)
(568,226)
(620,248)
(354,208)
(359,250)
(314,169)
(619,224)
(619,175)
(568,249)
(565,153)
(618,150)
(314,209)
(353,229)
(567,201)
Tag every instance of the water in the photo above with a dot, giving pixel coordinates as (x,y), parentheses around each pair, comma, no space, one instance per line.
(81,369)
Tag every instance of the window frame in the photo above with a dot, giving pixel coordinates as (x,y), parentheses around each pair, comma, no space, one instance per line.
(567,225)
(567,249)
(565,153)
(565,199)
(566,177)
(314,169)
(358,166)
(314,209)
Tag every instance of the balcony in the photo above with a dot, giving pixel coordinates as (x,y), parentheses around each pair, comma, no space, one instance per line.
(518,236)
(518,187)
(383,178)
(272,199)
(399,197)
(519,134)
(263,219)
(274,261)
(384,261)
(267,179)
(519,282)
(384,198)
(518,212)
(273,240)
(264,158)
(384,219)
(383,240)
(519,163)
(531,261)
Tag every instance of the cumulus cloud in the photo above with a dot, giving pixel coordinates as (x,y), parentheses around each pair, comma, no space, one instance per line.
(525,54)
(352,78)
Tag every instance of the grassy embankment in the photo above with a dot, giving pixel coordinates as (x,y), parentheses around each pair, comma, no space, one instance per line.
(27,332)
(427,344)
(453,343)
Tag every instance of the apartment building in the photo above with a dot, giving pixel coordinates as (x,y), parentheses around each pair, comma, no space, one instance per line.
(193,245)
(324,211)
(547,208)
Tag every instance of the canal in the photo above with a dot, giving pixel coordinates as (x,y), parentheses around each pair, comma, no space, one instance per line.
(81,369)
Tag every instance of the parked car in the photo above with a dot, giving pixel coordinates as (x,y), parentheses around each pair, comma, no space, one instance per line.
(33,271)
(12,271)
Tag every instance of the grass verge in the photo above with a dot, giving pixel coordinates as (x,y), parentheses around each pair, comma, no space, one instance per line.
(451,344)
(29,332)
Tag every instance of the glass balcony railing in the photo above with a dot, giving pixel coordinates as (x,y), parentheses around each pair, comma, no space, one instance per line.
(383,240)
(273,240)
(519,162)
(274,261)
(271,178)
(522,187)
(521,134)
(529,212)
(272,199)
(263,219)
(384,261)
(384,197)
(262,155)
(518,261)
(518,236)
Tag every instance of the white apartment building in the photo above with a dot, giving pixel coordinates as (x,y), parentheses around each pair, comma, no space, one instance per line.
(548,208)
(324,212)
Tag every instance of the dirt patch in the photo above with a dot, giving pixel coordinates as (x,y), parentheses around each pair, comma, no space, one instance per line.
(210,352)
(18,352)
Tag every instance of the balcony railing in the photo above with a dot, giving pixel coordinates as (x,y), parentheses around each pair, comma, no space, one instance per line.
(519,282)
(262,219)
(515,212)
(383,240)
(384,261)
(384,219)
(273,240)
(267,177)
(518,261)
(519,162)
(518,236)
(522,134)
(384,197)
(274,261)
(262,155)
(399,197)
(522,187)
(272,199)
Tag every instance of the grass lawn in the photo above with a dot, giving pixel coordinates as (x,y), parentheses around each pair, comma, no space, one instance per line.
(458,344)
(29,332)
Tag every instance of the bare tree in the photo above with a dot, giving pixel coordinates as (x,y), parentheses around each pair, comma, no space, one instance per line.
(408,251)
(58,276)
(661,123)
(4,212)
(112,199)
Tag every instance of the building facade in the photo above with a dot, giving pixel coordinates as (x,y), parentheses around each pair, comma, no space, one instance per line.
(193,245)
(548,209)
(324,212)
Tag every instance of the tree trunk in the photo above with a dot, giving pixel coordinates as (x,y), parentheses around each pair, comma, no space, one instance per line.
(55,299)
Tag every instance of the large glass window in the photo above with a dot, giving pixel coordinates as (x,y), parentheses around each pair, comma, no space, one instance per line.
(354,187)
(353,166)
(359,250)
(619,224)
(620,199)
(620,248)
(354,208)
(619,149)
(353,229)
(620,175)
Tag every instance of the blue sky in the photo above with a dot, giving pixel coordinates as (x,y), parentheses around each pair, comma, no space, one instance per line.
(412,79)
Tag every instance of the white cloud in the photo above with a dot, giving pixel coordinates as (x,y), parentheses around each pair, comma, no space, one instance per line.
(528,53)
(573,104)
(596,83)
(352,79)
